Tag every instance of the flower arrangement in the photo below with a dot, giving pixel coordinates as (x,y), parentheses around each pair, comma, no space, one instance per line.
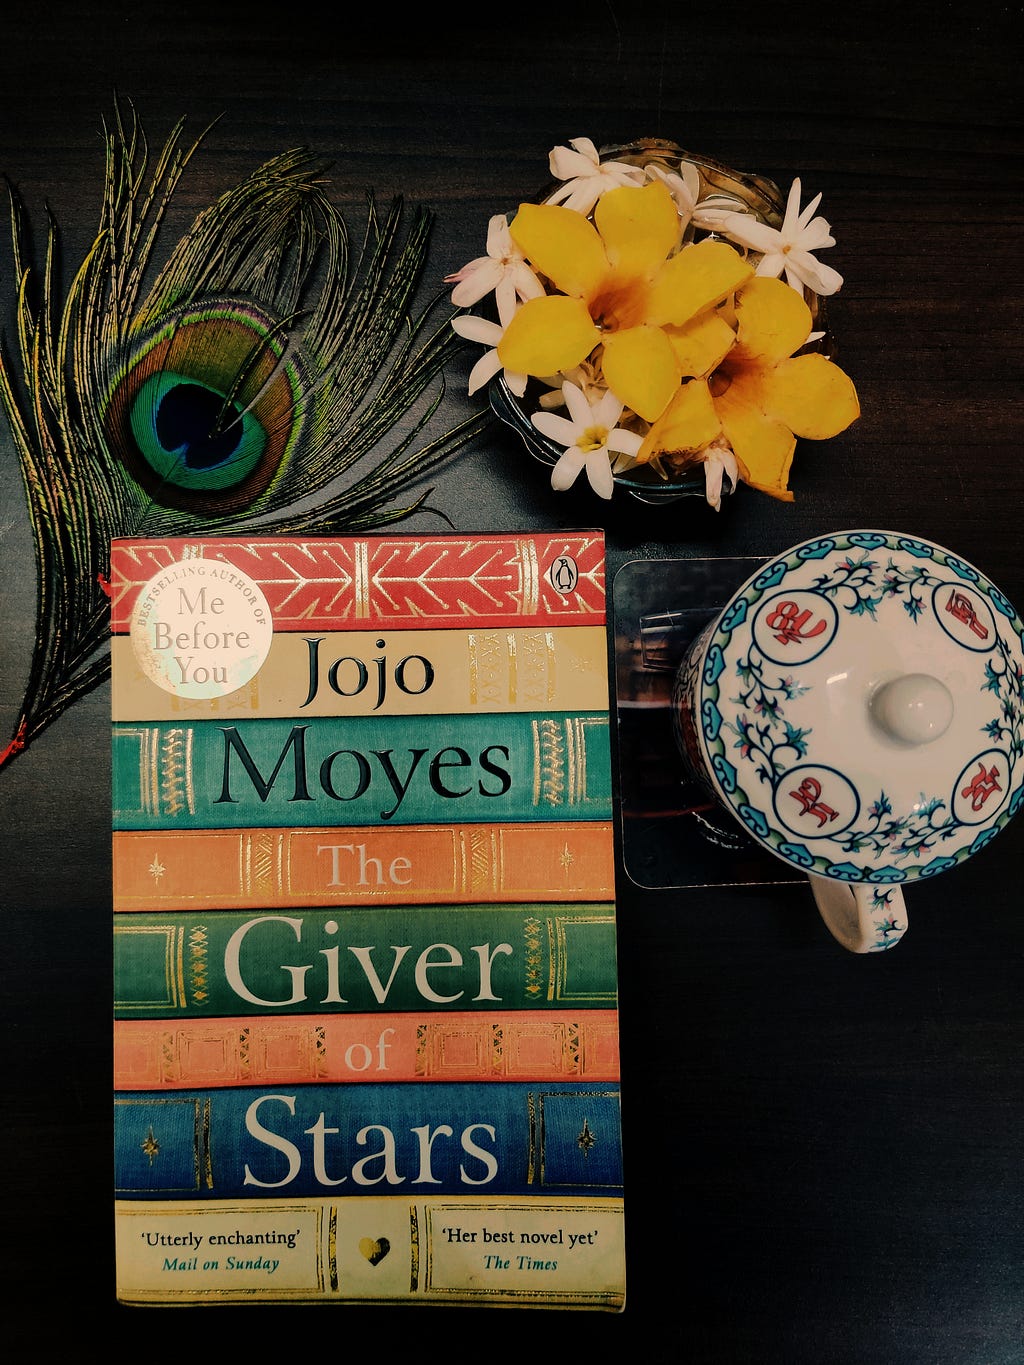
(664,315)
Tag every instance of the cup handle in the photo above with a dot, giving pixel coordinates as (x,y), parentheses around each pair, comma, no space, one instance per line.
(863,918)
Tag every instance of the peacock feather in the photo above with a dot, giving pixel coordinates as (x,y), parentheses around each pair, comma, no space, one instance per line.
(267,376)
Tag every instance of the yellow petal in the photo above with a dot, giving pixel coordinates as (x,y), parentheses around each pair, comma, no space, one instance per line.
(640,226)
(702,344)
(563,245)
(640,368)
(813,396)
(773,321)
(698,277)
(763,446)
(688,424)
(546,335)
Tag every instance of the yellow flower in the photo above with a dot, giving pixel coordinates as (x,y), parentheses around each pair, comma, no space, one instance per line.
(624,285)
(761,396)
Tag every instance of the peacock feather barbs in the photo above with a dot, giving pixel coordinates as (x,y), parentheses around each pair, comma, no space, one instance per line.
(265,377)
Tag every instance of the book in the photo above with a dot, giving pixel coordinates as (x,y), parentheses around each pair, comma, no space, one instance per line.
(373,864)
(358,770)
(365,1018)
(456,1138)
(527,1251)
(440,957)
(458,1045)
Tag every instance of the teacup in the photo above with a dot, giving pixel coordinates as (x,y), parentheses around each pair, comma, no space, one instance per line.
(858,706)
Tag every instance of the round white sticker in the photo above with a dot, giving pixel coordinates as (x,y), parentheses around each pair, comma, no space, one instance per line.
(201,628)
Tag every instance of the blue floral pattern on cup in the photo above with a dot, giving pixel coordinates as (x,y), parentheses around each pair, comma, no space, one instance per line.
(747,704)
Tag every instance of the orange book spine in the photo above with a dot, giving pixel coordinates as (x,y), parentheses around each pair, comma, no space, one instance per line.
(546,1045)
(227,869)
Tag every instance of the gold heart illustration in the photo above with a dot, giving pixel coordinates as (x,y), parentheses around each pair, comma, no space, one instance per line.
(374,1248)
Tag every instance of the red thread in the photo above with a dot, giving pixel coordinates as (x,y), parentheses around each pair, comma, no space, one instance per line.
(105,585)
(16,745)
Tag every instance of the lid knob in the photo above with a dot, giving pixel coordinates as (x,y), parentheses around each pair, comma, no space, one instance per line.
(914,707)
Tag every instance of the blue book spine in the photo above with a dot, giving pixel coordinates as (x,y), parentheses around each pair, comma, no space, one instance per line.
(337,1140)
(362,770)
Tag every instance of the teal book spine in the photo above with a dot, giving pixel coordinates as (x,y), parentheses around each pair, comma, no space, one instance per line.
(361,770)
(364,960)
(504,1140)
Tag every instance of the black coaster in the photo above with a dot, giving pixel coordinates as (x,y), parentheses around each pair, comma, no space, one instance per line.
(672,835)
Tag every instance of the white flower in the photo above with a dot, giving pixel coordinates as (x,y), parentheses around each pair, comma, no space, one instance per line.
(684,187)
(719,459)
(710,211)
(590,437)
(788,249)
(489,333)
(504,270)
(587,177)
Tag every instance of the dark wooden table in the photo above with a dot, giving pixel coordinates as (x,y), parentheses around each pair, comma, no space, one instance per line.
(824,1155)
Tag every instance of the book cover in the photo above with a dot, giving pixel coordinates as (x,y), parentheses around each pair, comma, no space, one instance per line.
(366,1028)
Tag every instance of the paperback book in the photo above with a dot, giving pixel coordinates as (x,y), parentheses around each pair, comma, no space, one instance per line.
(366,1008)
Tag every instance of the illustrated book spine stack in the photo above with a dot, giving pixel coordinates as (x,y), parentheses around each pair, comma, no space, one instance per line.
(366,1005)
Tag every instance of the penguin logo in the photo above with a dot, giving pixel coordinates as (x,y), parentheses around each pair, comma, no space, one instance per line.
(564,574)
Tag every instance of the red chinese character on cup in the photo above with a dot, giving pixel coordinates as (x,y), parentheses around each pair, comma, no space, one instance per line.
(959,605)
(788,621)
(981,786)
(808,794)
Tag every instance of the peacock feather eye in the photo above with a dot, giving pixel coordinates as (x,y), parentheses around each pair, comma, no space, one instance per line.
(207,406)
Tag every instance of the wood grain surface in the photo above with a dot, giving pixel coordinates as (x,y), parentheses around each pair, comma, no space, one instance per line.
(823,1152)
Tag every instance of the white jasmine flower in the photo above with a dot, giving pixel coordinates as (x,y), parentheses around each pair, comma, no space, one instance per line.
(684,187)
(587,177)
(590,437)
(489,333)
(788,249)
(710,211)
(719,459)
(504,270)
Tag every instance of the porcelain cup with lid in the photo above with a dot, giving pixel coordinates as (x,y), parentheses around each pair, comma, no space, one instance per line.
(858,706)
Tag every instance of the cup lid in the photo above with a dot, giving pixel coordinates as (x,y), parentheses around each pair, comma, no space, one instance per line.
(860,705)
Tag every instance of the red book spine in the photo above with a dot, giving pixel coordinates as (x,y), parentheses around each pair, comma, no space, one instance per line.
(381,582)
